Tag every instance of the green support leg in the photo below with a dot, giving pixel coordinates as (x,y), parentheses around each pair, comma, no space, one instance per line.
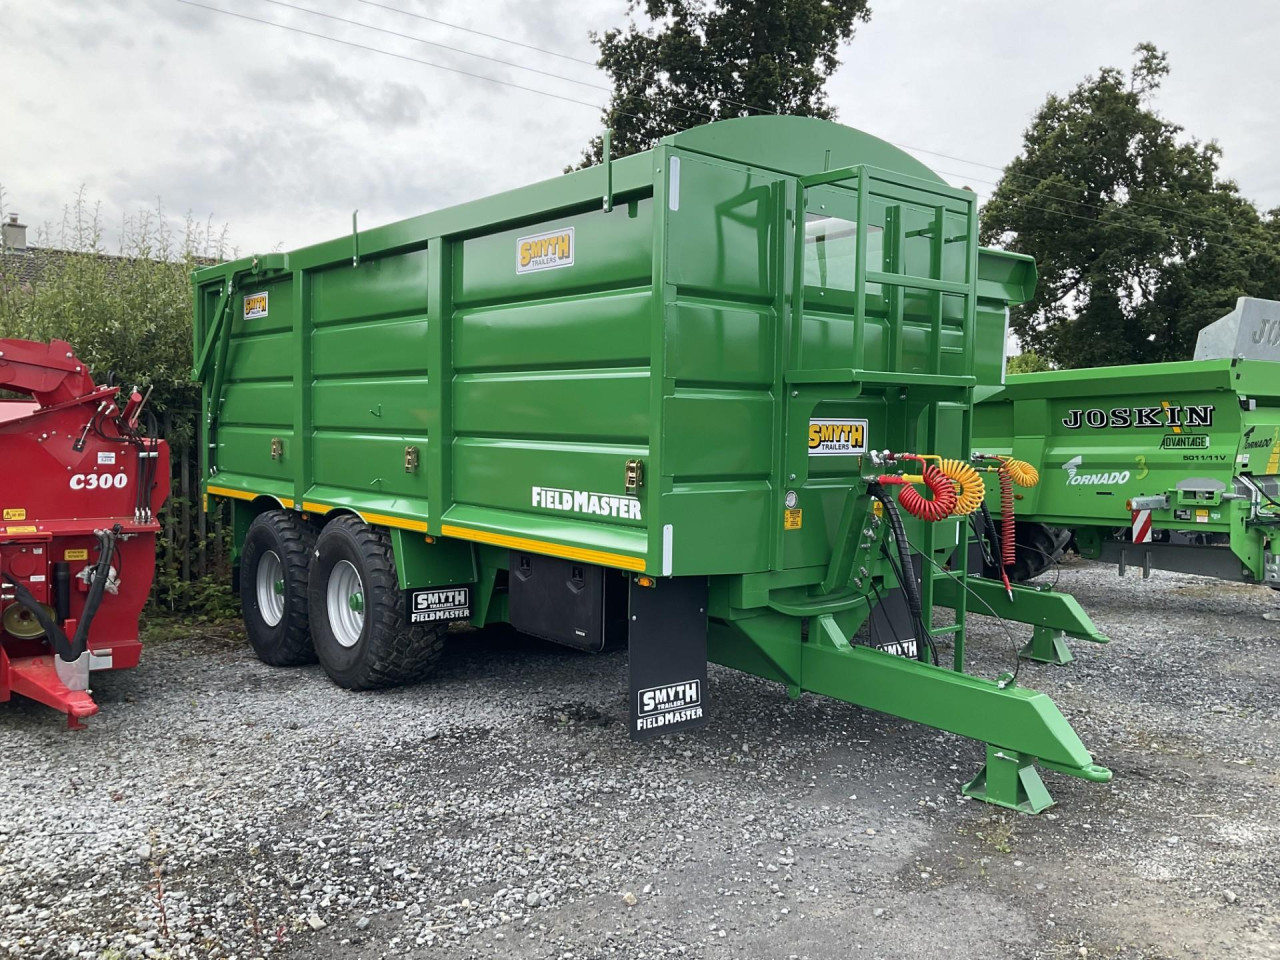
(1010,779)
(1037,606)
(1047,646)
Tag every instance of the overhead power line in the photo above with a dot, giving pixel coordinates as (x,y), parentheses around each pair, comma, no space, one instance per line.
(389,53)
(478,33)
(546,93)
(764,110)
(426,63)
(442,46)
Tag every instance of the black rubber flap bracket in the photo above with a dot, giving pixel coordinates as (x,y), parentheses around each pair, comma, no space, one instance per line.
(667,642)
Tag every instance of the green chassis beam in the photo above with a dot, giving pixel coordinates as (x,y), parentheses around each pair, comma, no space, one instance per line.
(1040,607)
(1018,720)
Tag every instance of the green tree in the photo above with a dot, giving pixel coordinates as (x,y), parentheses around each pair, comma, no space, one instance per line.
(1028,361)
(693,62)
(128,314)
(1138,239)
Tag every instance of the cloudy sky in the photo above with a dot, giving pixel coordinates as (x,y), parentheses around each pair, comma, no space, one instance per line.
(279,136)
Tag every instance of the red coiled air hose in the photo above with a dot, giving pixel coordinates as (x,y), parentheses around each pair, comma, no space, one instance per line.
(1008,548)
(942,489)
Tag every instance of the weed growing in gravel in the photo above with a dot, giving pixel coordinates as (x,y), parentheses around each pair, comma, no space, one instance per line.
(999,835)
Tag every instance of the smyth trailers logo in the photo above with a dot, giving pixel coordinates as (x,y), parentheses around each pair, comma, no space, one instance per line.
(445,603)
(668,704)
(829,437)
(545,251)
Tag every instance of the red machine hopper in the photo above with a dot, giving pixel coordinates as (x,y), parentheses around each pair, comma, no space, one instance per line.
(80,486)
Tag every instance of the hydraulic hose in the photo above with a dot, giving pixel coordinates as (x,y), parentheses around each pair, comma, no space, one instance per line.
(987,530)
(71,649)
(970,490)
(910,588)
(943,493)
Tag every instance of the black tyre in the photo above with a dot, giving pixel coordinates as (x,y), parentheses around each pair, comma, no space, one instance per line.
(1038,547)
(357,611)
(273,588)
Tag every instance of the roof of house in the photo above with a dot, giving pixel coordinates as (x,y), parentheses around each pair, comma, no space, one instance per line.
(28,267)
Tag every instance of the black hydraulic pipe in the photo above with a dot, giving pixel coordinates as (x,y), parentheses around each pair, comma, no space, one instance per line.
(909,586)
(71,649)
(61,590)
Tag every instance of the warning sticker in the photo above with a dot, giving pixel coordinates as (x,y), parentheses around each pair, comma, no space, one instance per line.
(837,438)
(255,306)
(792,518)
(12,531)
(79,553)
(15,513)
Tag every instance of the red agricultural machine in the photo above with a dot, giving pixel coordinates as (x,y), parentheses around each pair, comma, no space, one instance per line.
(81,480)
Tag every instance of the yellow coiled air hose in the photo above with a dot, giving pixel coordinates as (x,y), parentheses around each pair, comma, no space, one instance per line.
(1021,472)
(970,489)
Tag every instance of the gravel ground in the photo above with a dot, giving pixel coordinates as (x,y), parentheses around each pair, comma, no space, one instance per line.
(221,808)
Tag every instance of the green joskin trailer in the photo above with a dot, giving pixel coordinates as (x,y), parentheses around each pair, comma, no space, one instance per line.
(1171,466)
(665,401)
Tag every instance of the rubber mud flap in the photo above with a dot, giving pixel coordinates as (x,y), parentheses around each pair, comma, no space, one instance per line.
(667,644)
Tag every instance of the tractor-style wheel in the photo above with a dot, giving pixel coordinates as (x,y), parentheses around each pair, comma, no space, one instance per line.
(357,611)
(273,588)
(1039,547)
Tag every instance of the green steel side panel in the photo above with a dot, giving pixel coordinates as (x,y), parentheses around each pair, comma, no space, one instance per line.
(511,475)
(720,345)
(344,350)
(265,357)
(716,434)
(257,391)
(729,522)
(606,406)
(376,288)
(394,405)
(263,404)
(720,230)
(549,399)
(370,395)
(609,249)
(247,451)
(722,272)
(279,315)
(610,328)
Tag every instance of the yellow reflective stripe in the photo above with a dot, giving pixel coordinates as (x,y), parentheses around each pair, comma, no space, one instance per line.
(385,521)
(228,492)
(620,560)
(310,507)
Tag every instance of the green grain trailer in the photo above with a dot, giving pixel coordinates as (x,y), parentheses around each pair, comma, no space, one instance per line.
(650,402)
(1164,465)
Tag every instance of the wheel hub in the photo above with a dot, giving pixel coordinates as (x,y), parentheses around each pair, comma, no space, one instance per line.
(269,586)
(344,602)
